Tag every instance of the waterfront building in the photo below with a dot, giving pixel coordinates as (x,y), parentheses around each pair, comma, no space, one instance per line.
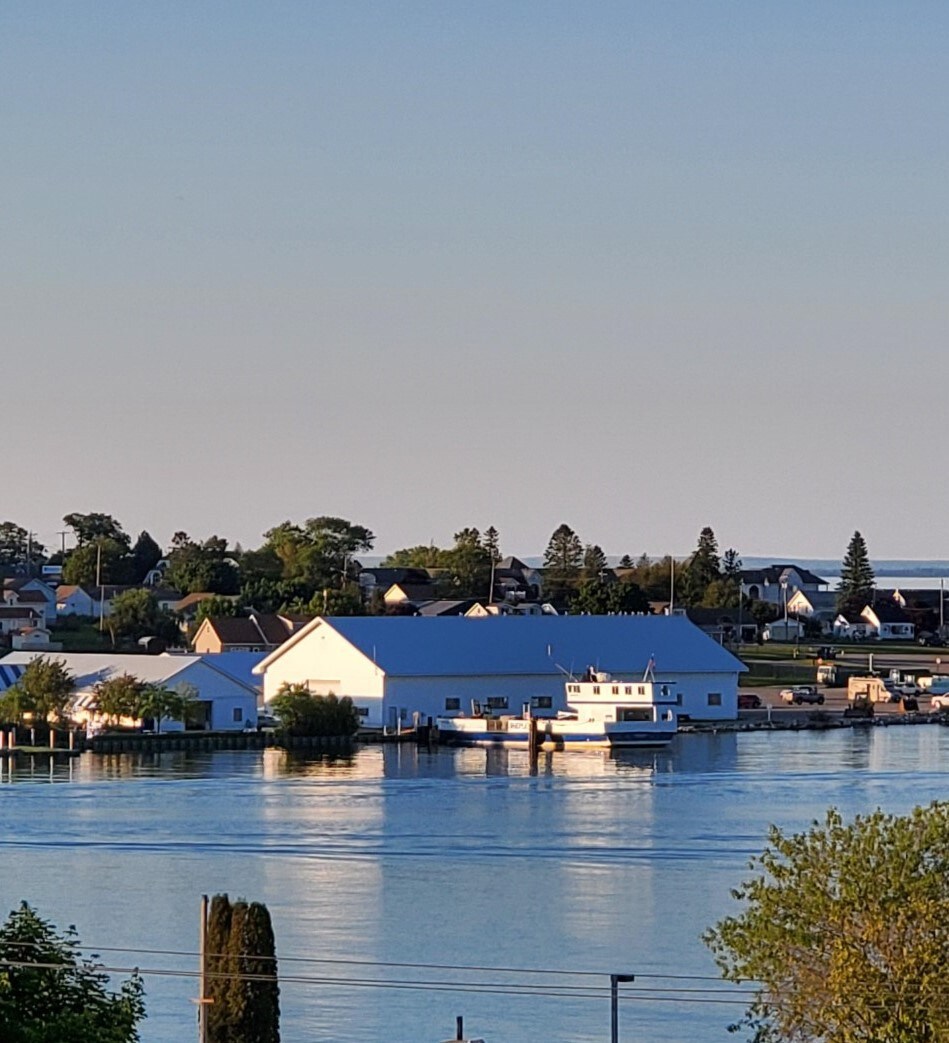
(223,702)
(395,668)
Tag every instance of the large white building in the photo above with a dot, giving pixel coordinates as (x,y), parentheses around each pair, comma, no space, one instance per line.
(396,666)
(224,701)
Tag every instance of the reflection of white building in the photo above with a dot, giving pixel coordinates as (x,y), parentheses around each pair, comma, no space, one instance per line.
(396,667)
(223,702)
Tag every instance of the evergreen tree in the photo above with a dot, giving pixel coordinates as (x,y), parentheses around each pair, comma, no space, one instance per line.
(704,568)
(594,561)
(562,561)
(219,965)
(491,541)
(626,562)
(856,577)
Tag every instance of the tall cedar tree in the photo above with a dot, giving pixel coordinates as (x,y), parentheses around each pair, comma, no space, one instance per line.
(242,974)
(856,577)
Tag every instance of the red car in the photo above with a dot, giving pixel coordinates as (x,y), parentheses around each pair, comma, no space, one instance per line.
(748,701)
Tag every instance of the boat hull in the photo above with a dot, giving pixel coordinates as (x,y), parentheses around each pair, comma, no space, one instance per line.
(550,733)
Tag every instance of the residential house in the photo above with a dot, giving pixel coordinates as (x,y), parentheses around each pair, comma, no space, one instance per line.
(187,607)
(37,639)
(409,593)
(73,600)
(258,632)
(515,581)
(377,580)
(31,593)
(397,668)
(889,621)
(727,626)
(445,607)
(783,630)
(773,583)
(820,606)
(852,626)
(14,618)
(222,701)
(506,608)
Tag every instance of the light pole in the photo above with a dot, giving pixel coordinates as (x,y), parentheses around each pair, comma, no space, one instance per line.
(615,980)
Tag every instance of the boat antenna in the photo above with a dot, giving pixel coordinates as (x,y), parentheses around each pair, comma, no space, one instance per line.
(649,674)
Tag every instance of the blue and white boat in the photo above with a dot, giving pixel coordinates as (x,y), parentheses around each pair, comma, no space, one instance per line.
(602,712)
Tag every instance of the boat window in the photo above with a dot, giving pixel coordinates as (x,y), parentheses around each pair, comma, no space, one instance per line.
(629,689)
(634,713)
(715,698)
(642,689)
(596,689)
(616,689)
(452,703)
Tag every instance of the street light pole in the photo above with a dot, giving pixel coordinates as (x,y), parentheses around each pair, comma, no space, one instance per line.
(615,979)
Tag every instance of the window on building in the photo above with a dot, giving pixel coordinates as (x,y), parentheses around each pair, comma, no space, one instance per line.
(497,702)
(543,702)
(238,715)
(452,703)
(715,698)
(362,711)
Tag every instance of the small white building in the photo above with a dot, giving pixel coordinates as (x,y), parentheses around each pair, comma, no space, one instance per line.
(224,702)
(394,667)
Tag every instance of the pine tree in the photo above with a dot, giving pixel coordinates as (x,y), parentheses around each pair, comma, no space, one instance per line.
(562,560)
(491,541)
(625,562)
(704,568)
(218,964)
(594,561)
(856,577)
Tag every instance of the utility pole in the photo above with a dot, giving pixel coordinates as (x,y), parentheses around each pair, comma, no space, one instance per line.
(202,1001)
(672,583)
(615,980)
(99,585)
(62,533)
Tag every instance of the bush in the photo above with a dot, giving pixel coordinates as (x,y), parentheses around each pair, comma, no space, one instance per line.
(304,714)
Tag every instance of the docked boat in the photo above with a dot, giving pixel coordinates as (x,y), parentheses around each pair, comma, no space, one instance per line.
(602,712)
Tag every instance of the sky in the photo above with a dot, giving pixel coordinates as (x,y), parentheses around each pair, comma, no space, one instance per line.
(638,267)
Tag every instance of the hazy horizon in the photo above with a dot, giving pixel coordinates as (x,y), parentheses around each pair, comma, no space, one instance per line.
(636,268)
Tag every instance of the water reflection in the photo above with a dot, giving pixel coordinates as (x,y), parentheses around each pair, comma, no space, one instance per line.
(587,859)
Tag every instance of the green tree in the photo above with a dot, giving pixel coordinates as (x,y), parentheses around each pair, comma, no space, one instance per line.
(491,541)
(157,702)
(857,580)
(50,994)
(845,930)
(17,548)
(101,560)
(43,690)
(320,553)
(329,602)
(221,966)
(90,528)
(469,565)
(594,561)
(253,997)
(303,714)
(145,555)
(135,614)
(206,566)
(597,597)
(704,567)
(119,696)
(422,556)
(563,559)
(220,606)
(626,562)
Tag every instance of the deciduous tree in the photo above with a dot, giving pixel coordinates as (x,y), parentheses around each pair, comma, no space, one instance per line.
(194,567)
(304,714)
(50,994)
(96,526)
(44,689)
(845,931)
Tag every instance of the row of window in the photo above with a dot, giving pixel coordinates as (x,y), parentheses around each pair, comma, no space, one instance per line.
(500,702)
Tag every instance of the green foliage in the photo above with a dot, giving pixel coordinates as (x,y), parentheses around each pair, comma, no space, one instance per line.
(16,547)
(655,577)
(704,568)
(329,602)
(320,554)
(220,606)
(845,928)
(563,559)
(196,567)
(594,561)
(626,562)
(303,714)
(101,560)
(145,555)
(65,1001)
(135,613)
(127,696)
(721,593)
(242,974)
(422,556)
(43,690)
(857,579)
(157,702)
(491,541)
(469,565)
(91,528)
(597,597)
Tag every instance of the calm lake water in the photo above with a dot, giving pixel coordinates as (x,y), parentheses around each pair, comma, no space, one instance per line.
(456,857)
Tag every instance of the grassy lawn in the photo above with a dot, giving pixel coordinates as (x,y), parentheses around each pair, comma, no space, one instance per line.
(85,638)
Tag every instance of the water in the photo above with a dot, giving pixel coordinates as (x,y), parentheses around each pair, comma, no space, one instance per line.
(457,857)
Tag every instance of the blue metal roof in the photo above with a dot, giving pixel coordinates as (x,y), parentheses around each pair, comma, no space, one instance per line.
(9,675)
(411,646)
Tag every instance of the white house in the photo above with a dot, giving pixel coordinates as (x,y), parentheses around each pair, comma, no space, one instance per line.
(774,583)
(31,593)
(394,667)
(224,702)
(889,621)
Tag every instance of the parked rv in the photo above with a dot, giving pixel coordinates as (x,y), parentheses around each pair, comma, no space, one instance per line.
(873,689)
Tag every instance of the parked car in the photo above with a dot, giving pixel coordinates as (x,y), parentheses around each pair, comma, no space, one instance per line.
(748,701)
(802,693)
(939,702)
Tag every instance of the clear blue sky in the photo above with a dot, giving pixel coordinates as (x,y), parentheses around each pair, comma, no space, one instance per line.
(639,267)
